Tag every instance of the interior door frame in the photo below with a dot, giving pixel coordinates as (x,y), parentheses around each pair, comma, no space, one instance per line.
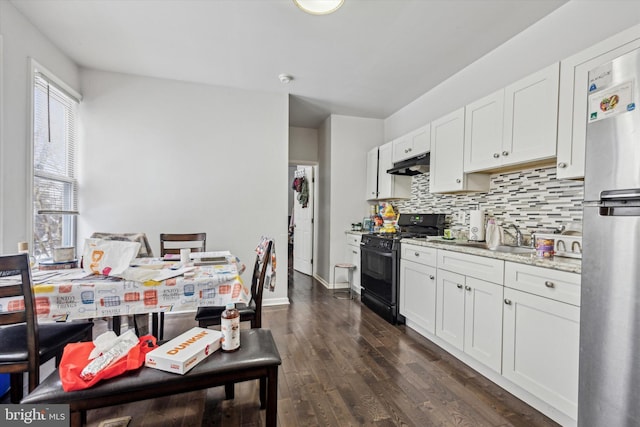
(315,185)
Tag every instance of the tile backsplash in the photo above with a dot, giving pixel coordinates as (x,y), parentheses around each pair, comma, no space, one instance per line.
(531,199)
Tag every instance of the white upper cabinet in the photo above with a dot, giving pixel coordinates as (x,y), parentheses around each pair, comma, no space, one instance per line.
(531,117)
(574,90)
(380,184)
(385,162)
(372,174)
(515,125)
(447,147)
(412,144)
(447,136)
(483,132)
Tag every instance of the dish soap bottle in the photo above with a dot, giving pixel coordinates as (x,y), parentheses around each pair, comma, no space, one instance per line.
(230,328)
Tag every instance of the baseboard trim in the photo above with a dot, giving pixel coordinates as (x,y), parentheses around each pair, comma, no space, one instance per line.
(275,301)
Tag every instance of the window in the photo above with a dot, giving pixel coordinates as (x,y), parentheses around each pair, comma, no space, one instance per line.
(55,188)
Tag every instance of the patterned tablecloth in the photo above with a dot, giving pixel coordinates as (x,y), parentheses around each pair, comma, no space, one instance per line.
(70,294)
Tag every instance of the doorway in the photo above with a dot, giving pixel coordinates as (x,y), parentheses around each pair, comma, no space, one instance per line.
(302,208)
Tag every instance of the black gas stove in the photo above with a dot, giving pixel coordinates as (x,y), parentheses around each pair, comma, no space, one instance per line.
(380,262)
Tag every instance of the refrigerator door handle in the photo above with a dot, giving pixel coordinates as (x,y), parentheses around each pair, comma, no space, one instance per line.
(620,194)
(619,211)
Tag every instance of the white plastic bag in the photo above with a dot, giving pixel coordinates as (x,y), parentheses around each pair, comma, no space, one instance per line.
(108,257)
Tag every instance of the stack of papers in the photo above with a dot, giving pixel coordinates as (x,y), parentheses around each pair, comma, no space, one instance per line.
(210,258)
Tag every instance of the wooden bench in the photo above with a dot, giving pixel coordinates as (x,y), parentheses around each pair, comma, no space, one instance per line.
(257,358)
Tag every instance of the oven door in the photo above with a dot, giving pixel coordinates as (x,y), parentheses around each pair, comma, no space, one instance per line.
(378,271)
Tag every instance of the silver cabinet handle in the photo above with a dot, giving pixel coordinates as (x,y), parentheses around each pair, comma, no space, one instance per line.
(505,153)
(431,277)
(458,180)
(496,155)
(459,286)
(507,301)
(416,253)
(355,253)
(549,284)
(468,288)
(562,165)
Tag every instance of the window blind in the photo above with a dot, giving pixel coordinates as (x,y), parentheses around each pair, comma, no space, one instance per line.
(55,187)
(54,154)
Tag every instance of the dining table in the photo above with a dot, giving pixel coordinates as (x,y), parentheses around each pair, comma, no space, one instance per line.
(151,285)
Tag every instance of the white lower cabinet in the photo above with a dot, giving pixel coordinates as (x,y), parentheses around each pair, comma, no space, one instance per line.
(418,287)
(517,324)
(469,316)
(353,254)
(483,322)
(450,308)
(418,294)
(541,336)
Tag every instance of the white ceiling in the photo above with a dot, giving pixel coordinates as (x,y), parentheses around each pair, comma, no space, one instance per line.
(369,59)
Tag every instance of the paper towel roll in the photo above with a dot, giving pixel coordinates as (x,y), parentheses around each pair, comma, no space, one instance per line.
(476,225)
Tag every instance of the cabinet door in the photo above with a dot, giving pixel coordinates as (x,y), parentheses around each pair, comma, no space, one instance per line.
(483,132)
(540,348)
(450,308)
(483,322)
(420,140)
(418,294)
(354,252)
(447,145)
(385,162)
(412,144)
(574,91)
(372,174)
(402,148)
(531,117)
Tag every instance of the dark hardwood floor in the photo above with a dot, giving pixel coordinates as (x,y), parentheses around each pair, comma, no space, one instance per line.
(342,365)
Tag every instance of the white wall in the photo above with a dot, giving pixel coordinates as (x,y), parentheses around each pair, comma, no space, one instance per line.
(343,144)
(167,156)
(303,145)
(571,28)
(322,244)
(20,41)
(351,139)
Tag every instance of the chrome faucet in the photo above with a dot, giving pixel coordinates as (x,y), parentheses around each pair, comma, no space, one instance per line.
(518,235)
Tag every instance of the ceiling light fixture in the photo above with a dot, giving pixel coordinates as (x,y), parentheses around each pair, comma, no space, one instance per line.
(285,78)
(319,7)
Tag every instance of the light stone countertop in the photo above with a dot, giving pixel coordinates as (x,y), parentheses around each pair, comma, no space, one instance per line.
(571,265)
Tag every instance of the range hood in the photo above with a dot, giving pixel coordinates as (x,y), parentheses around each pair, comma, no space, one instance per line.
(413,166)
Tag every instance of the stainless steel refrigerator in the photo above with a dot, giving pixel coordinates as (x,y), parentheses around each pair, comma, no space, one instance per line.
(609,384)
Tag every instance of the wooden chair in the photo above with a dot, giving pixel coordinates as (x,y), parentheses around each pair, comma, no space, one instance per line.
(24,344)
(171,244)
(252,312)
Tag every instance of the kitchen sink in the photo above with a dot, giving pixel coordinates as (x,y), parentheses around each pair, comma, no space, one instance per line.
(520,250)
(480,245)
(513,249)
